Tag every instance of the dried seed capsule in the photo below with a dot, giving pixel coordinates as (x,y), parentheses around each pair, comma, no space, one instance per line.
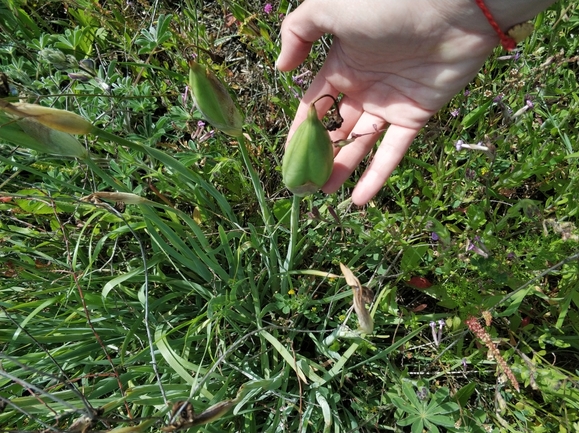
(362,296)
(118,197)
(309,157)
(61,120)
(213,100)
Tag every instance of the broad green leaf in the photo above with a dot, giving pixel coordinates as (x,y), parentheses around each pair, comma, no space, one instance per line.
(412,257)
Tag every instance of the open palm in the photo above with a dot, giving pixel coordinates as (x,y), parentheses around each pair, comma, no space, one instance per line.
(396,63)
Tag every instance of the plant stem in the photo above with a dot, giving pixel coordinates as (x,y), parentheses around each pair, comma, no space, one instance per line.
(265,212)
(294,225)
(267,217)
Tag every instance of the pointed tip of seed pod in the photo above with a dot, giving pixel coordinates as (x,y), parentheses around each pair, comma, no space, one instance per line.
(305,189)
(366,324)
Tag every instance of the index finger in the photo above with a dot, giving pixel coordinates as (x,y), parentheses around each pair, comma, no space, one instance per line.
(298,32)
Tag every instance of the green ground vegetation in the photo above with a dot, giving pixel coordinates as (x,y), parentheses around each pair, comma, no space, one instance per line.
(223,289)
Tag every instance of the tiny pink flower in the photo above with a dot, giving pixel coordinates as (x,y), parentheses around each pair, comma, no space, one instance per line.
(477,246)
(268,8)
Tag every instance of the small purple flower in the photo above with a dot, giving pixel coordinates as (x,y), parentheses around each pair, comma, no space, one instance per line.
(477,247)
(268,8)
(298,79)
(199,130)
(513,57)
(464,364)
(458,145)
(529,103)
(498,98)
(206,136)
(455,113)
(466,92)
(422,393)
(434,236)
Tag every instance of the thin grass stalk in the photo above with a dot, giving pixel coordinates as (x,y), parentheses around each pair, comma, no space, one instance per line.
(266,214)
(29,416)
(70,385)
(135,428)
(39,391)
(85,307)
(534,279)
(7,162)
(199,384)
(146,293)
(267,217)
(294,236)
(112,210)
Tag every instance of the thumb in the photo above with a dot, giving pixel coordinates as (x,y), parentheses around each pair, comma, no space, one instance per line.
(298,33)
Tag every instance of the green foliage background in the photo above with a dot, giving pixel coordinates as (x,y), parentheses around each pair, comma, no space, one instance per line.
(224,285)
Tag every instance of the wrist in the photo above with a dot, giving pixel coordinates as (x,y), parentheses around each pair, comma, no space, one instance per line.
(465,14)
(508,13)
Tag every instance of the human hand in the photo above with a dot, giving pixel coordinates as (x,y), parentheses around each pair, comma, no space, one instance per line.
(396,63)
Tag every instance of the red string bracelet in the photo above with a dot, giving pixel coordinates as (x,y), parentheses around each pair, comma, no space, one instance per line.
(507,42)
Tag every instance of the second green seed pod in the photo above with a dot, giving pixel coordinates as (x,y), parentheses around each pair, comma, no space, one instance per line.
(309,157)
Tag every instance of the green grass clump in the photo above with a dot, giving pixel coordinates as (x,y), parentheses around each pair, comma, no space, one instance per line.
(220,288)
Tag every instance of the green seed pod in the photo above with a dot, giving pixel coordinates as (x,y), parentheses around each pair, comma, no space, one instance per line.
(51,140)
(309,157)
(213,100)
(58,59)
